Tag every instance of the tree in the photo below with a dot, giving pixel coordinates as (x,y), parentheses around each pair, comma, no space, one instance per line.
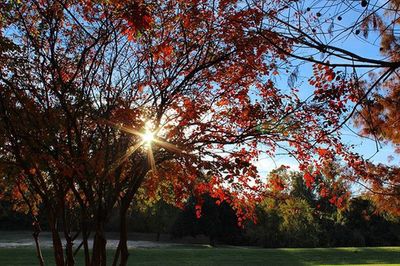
(321,215)
(320,33)
(156,218)
(266,232)
(217,221)
(101,98)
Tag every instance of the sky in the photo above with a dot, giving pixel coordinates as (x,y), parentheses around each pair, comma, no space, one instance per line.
(366,47)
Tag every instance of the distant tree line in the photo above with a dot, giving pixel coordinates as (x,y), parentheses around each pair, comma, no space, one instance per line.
(295,215)
(301,217)
(291,215)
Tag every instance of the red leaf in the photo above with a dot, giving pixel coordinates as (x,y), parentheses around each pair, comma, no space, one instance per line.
(309,179)
(198,211)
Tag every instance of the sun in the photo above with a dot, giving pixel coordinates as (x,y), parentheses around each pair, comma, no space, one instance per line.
(148,137)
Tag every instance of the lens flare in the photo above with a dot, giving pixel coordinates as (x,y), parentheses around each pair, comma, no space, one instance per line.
(148,137)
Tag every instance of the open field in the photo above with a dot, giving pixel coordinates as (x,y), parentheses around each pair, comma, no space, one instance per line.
(230,256)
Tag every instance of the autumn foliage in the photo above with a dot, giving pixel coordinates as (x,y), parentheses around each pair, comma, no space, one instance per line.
(82,82)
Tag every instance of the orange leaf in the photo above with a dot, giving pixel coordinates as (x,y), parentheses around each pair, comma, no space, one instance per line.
(222,102)
(322,152)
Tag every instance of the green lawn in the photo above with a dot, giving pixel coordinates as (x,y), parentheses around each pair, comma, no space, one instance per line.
(231,256)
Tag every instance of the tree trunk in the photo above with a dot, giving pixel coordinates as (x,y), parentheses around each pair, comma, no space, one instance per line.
(125,202)
(116,255)
(69,241)
(122,250)
(57,247)
(36,232)
(123,238)
(99,248)
(69,251)
(57,244)
(85,236)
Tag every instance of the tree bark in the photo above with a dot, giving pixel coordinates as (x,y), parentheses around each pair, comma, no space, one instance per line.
(116,255)
(69,251)
(85,236)
(99,247)
(122,254)
(36,232)
(57,245)
(123,238)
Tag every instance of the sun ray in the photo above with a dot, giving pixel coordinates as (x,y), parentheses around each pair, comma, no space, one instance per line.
(131,131)
(123,158)
(127,129)
(151,160)
(167,145)
(148,138)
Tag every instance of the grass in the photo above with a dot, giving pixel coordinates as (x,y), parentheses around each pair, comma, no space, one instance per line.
(229,256)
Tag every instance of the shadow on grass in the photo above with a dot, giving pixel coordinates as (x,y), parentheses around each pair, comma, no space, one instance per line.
(227,256)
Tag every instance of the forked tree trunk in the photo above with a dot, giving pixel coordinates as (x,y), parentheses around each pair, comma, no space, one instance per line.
(57,246)
(122,254)
(85,236)
(123,230)
(69,251)
(99,257)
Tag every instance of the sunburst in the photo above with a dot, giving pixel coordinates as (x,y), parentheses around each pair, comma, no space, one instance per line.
(148,138)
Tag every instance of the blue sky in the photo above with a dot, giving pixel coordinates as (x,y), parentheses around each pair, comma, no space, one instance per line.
(366,47)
